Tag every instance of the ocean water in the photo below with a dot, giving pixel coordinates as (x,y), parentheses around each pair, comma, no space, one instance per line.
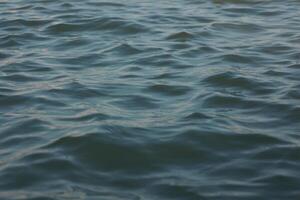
(144,100)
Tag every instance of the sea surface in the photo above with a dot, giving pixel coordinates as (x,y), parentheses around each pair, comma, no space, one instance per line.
(149,100)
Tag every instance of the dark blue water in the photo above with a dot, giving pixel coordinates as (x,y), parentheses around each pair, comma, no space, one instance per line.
(143,100)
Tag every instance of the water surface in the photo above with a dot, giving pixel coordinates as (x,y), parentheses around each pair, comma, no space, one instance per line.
(143,100)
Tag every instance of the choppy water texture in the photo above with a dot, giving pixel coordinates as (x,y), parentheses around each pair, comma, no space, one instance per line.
(142,100)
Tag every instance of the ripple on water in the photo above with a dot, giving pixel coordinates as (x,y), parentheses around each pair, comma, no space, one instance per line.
(180,36)
(240,82)
(137,102)
(169,90)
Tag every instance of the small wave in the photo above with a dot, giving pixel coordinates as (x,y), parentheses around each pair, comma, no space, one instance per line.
(137,102)
(27,125)
(237,27)
(229,79)
(91,149)
(163,59)
(180,36)
(173,90)
(106,4)
(72,43)
(12,100)
(10,43)
(227,101)
(294,66)
(119,25)
(235,58)
(123,49)
(63,27)
(29,23)
(86,116)
(221,141)
(166,76)
(196,116)
(21,77)
(77,90)
(116,25)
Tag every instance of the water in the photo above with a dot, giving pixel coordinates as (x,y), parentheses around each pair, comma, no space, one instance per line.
(186,100)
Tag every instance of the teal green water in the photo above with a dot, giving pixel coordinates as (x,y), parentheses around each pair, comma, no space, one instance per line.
(149,100)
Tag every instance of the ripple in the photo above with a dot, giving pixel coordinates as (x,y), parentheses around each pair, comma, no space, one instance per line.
(196,115)
(232,80)
(137,102)
(164,59)
(169,90)
(12,100)
(77,90)
(222,141)
(19,141)
(288,152)
(20,78)
(180,36)
(72,43)
(167,76)
(238,58)
(224,101)
(124,49)
(89,148)
(238,27)
(63,27)
(86,116)
(104,4)
(9,43)
(28,126)
(119,25)
(176,191)
(295,66)
(25,22)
